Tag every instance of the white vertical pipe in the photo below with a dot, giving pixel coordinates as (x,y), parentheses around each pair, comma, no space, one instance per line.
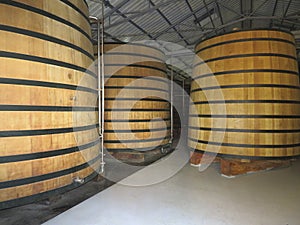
(183,100)
(100,69)
(102,88)
(99,79)
(172,102)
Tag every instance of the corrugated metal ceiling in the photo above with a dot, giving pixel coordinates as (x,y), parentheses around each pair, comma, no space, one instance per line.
(177,16)
(186,21)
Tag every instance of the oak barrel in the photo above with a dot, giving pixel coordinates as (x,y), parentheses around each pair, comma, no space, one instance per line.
(48,130)
(137,111)
(258,76)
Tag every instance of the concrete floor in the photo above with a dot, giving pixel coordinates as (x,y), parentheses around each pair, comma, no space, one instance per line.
(39,212)
(194,198)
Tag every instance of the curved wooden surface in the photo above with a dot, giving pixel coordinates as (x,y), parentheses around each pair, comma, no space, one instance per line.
(257,73)
(137,113)
(48,133)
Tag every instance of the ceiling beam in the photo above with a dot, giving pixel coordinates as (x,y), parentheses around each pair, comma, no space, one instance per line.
(247,11)
(191,10)
(137,26)
(168,32)
(273,12)
(117,7)
(251,12)
(129,20)
(178,22)
(258,7)
(142,12)
(168,21)
(286,11)
(242,12)
(220,14)
(211,20)
(229,9)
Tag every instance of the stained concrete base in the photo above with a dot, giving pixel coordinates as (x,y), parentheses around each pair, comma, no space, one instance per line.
(194,198)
